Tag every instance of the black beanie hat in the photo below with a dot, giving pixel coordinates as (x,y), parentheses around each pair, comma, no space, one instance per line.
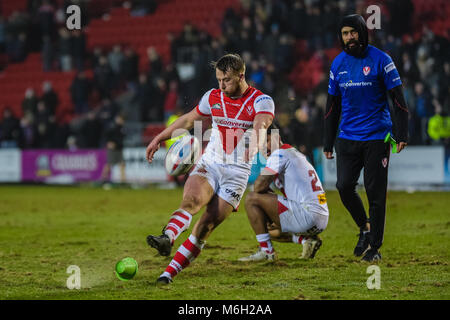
(357,22)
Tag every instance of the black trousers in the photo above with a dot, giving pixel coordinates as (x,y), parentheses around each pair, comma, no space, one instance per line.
(373,156)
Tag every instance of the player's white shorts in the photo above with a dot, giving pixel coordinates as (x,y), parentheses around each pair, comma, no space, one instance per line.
(298,218)
(228,181)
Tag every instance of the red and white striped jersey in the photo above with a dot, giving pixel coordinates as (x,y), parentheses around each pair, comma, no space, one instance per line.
(232,121)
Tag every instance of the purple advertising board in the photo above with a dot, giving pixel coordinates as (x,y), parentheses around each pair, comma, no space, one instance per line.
(62,166)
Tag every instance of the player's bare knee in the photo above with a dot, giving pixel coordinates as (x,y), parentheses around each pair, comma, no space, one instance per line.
(191,203)
(251,199)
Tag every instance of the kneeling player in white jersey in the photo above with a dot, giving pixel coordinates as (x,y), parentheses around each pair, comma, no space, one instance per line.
(302,211)
(221,175)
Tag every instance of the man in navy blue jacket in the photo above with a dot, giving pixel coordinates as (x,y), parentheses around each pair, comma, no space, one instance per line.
(361,77)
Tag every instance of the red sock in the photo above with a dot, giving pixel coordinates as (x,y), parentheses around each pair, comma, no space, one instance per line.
(297,239)
(186,253)
(264,242)
(179,222)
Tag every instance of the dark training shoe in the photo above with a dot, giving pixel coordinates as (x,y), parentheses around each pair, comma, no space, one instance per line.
(162,281)
(372,255)
(160,243)
(363,243)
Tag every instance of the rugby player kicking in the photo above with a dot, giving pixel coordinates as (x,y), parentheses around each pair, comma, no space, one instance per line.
(302,211)
(220,177)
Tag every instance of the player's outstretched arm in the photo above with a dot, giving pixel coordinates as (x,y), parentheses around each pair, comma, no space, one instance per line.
(331,122)
(401,115)
(185,122)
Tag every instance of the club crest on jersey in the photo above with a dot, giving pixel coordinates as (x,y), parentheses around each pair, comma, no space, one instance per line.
(384,162)
(216,106)
(366,70)
(249,110)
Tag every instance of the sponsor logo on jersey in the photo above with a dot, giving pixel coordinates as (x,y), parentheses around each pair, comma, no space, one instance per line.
(366,70)
(343,72)
(355,84)
(233,194)
(322,198)
(233,104)
(389,67)
(261,98)
(216,106)
(232,123)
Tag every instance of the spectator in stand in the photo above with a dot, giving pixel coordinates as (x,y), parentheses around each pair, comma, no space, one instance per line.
(45,126)
(18,22)
(114,135)
(108,111)
(155,64)
(271,42)
(50,97)
(141,8)
(185,44)
(245,42)
(130,67)
(80,90)
(256,74)
(9,130)
(97,52)
(91,131)
(103,77)
(259,35)
(422,110)
(171,101)
(408,68)
(28,132)
(143,97)
(170,73)
(72,143)
(29,103)
(159,95)
(65,50)
(284,54)
(315,26)
(115,59)
(78,49)
(330,24)
(16,47)
(46,15)
(439,126)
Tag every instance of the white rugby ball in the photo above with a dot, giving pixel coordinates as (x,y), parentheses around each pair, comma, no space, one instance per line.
(182,155)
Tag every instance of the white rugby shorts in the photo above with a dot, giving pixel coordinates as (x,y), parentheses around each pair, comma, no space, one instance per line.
(228,181)
(300,218)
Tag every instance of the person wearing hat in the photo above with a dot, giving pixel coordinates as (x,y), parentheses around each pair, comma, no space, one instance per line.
(361,77)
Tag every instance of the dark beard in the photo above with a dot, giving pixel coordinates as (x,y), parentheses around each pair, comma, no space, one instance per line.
(354,50)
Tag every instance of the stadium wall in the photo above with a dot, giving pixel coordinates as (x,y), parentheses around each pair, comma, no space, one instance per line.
(415,168)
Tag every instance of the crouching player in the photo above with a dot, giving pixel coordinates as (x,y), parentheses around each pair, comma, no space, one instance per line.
(302,211)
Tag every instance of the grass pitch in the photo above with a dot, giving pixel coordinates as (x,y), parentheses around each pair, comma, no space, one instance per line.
(44,230)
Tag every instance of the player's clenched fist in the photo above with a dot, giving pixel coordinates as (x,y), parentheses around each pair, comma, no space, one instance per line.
(151,149)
